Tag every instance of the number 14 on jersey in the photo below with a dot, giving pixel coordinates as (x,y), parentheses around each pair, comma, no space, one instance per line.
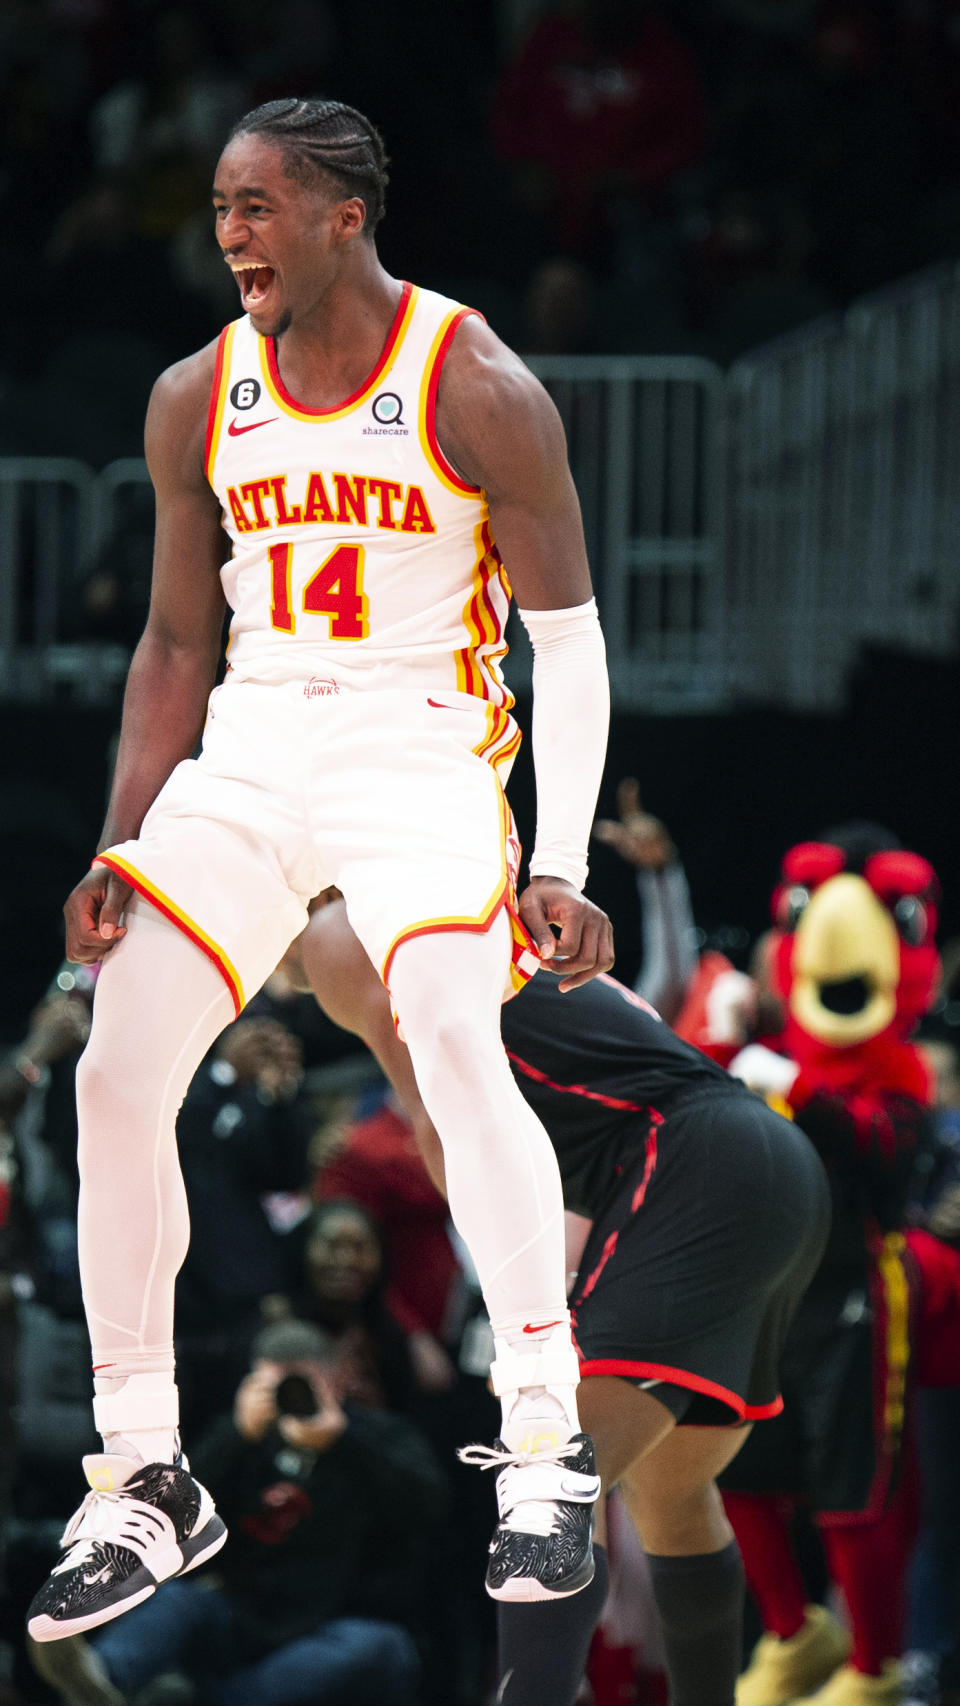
(335,590)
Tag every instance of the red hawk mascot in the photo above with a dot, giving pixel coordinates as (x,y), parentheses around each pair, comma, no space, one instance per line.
(853,960)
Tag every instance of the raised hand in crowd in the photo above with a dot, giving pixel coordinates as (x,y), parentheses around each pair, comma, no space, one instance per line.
(58,1026)
(263,1052)
(639,838)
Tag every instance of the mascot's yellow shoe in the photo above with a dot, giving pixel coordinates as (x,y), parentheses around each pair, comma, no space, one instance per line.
(849,1687)
(781,1671)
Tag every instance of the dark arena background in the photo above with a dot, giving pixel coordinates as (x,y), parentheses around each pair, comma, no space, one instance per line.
(726,235)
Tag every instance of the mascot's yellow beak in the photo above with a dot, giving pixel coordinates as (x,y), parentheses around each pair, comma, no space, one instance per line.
(846,964)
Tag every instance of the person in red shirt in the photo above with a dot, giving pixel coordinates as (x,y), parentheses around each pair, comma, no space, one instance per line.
(603,103)
(379,1167)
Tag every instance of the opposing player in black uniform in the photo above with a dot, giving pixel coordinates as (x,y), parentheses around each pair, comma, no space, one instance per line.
(701,1217)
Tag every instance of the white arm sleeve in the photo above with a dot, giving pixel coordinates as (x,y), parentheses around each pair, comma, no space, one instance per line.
(571,716)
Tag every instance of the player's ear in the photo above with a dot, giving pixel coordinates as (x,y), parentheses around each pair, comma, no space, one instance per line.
(352,216)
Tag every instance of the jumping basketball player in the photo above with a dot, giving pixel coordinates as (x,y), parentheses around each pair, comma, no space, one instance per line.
(369,449)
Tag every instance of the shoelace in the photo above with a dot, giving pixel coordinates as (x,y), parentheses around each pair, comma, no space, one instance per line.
(531,1515)
(96,1516)
(104,1518)
(498,1457)
(91,1524)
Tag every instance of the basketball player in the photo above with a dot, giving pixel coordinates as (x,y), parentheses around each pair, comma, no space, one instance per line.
(368,449)
(699,1216)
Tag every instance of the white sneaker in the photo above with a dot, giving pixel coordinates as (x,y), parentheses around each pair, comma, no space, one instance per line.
(139,1525)
(542,1547)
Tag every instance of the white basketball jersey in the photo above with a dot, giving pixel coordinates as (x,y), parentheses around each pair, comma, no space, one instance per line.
(360,556)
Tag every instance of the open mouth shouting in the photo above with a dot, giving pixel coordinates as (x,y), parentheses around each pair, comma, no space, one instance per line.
(254,279)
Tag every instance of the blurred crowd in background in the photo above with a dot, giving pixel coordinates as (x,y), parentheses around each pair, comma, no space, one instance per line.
(596,175)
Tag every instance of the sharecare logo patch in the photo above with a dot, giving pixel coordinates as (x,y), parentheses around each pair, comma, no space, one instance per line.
(387,409)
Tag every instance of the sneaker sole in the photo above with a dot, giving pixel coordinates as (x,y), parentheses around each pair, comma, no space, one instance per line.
(525,1590)
(195,1552)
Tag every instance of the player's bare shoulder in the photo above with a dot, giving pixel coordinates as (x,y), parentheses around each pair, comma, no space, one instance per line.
(176,424)
(495,421)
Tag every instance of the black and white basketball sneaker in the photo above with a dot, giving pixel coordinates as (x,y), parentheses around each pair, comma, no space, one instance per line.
(542,1547)
(139,1525)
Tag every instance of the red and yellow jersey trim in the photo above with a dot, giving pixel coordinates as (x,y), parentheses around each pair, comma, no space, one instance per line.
(388,355)
(502,739)
(177,916)
(218,398)
(427,413)
(475,663)
(524,959)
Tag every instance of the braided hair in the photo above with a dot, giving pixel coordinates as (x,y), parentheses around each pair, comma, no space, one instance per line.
(327,136)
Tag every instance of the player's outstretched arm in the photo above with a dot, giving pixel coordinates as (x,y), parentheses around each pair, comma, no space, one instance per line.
(175,663)
(498,426)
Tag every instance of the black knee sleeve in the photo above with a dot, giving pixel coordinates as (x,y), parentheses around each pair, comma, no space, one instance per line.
(700,1602)
(543,1646)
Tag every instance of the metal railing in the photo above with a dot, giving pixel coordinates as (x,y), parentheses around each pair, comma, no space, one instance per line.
(646,437)
(749,532)
(45,523)
(844,493)
(57,519)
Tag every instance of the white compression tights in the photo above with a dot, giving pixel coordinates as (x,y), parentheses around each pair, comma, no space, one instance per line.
(502,1178)
(160,1003)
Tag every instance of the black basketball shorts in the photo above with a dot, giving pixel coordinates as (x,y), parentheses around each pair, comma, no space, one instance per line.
(696,1265)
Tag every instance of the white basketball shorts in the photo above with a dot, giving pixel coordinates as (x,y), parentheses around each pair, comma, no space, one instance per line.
(395,797)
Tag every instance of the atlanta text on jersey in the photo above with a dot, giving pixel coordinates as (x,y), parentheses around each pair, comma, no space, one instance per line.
(394,507)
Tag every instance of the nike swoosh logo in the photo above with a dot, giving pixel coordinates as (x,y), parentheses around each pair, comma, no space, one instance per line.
(542,1328)
(235,429)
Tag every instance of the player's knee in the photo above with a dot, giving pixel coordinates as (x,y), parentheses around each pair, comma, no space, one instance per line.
(672,1517)
(455,1046)
(441,1023)
(656,1491)
(108,1099)
(94,1083)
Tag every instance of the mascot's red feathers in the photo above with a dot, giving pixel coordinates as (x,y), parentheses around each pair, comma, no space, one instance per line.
(856,966)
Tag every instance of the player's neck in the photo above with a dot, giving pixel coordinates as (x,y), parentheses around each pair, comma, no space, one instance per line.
(327,356)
